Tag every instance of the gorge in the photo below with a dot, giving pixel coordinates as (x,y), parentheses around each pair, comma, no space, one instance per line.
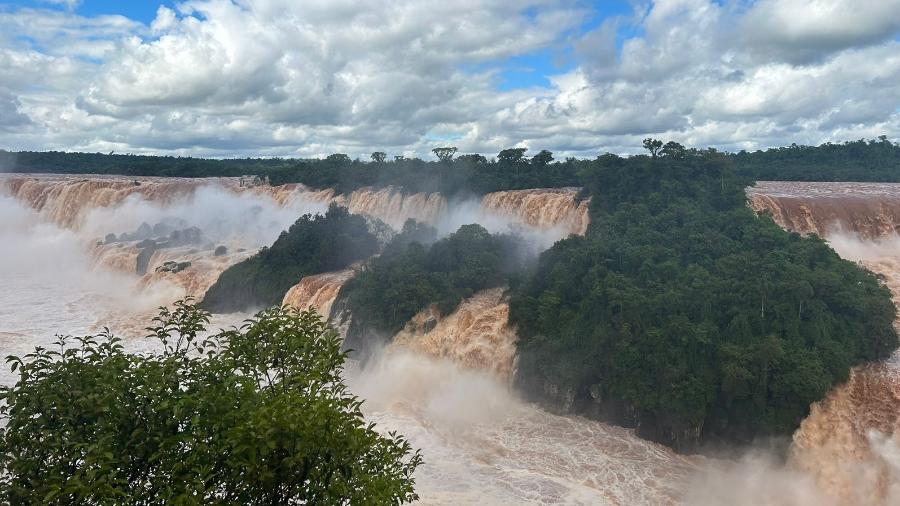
(444,380)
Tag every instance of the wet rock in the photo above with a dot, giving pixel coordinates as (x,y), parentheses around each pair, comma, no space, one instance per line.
(429,324)
(110,238)
(596,393)
(173,267)
(190,235)
(220,250)
(162,229)
(143,259)
(144,231)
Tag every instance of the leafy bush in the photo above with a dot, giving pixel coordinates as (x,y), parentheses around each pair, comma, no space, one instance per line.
(312,245)
(255,415)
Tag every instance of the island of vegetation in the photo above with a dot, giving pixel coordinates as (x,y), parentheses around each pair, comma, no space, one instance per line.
(312,245)
(416,270)
(683,314)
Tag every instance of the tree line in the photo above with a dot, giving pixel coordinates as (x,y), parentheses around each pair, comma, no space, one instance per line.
(451,173)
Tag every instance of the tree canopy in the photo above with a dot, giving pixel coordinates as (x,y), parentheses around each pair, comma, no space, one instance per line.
(416,270)
(253,415)
(860,160)
(312,245)
(685,315)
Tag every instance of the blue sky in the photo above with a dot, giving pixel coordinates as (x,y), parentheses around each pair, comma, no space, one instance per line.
(138,10)
(519,72)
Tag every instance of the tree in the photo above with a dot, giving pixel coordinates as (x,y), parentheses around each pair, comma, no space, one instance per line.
(379,156)
(511,155)
(543,158)
(252,415)
(338,159)
(473,158)
(444,154)
(415,270)
(673,150)
(653,146)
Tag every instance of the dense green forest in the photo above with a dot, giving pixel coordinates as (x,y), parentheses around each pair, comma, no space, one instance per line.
(415,270)
(685,315)
(511,169)
(313,244)
(861,160)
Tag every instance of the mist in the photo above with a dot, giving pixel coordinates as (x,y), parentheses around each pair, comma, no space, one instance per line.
(50,285)
(470,210)
(851,246)
(246,218)
(482,444)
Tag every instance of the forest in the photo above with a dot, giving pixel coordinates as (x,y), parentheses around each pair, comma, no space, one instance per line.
(312,245)
(471,173)
(415,270)
(683,314)
(875,160)
(512,168)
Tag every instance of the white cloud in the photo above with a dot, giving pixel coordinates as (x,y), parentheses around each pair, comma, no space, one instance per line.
(70,4)
(804,30)
(219,77)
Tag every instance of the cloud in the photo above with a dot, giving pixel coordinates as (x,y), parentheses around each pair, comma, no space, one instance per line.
(278,77)
(9,111)
(801,31)
(69,4)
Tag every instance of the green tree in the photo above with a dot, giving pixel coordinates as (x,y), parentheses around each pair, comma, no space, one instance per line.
(379,156)
(416,270)
(474,159)
(543,158)
(338,159)
(444,154)
(673,150)
(653,146)
(511,155)
(688,317)
(252,415)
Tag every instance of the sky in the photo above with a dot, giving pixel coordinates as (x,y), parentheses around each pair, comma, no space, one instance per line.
(306,78)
